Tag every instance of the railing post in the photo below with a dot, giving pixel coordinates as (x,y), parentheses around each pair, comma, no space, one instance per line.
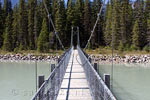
(90,60)
(78,37)
(72,37)
(52,67)
(107,80)
(52,91)
(58,60)
(40,82)
(95,82)
(96,67)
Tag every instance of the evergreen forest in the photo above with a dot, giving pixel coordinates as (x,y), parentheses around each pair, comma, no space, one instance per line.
(123,23)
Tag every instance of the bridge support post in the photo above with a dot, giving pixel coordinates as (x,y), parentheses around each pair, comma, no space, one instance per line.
(95,82)
(78,37)
(107,80)
(52,91)
(72,37)
(90,60)
(41,80)
(52,67)
(96,67)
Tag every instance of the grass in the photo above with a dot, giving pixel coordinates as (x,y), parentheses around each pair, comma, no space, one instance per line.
(105,51)
(101,50)
(34,52)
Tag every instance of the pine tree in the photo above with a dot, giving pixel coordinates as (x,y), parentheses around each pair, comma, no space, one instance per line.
(116,24)
(148,31)
(49,7)
(54,9)
(23,25)
(7,45)
(98,37)
(129,26)
(43,39)
(35,31)
(7,7)
(147,17)
(147,9)
(31,13)
(1,25)
(78,13)
(78,17)
(60,20)
(108,26)
(15,32)
(69,14)
(136,35)
(87,21)
(139,17)
(124,23)
(38,19)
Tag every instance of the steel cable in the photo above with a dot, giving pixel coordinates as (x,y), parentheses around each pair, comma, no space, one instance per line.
(92,32)
(50,21)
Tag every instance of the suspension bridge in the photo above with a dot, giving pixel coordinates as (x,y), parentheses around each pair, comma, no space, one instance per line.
(74,76)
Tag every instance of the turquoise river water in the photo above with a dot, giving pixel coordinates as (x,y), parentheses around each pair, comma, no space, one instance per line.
(17,80)
(130,81)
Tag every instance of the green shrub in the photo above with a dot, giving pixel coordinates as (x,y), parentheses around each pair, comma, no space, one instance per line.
(146,48)
(133,47)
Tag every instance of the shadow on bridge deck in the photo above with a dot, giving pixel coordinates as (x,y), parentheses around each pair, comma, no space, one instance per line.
(74,85)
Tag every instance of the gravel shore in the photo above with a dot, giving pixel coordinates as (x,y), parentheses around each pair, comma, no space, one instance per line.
(29,57)
(121,59)
(95,58)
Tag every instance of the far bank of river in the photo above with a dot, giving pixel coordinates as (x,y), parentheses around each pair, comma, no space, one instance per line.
(96,58)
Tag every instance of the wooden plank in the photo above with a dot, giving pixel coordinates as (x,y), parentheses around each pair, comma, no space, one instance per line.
(74,85)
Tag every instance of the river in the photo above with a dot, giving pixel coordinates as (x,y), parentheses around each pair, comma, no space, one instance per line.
(130,81)
(17,79)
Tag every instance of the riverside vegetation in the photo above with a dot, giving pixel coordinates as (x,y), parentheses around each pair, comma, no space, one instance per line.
(101,55)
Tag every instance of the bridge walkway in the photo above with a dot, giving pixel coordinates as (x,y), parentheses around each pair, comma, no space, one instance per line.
(74,85)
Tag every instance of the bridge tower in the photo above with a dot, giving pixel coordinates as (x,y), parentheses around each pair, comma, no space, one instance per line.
(75,37)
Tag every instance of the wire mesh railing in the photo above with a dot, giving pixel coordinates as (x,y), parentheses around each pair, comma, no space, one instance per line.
(98,88)
(50,88)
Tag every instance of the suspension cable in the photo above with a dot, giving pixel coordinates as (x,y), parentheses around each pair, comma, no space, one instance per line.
(50,21)
(92,32)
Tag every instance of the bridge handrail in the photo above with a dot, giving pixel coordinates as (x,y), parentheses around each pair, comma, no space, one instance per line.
(54,80)
(98,88)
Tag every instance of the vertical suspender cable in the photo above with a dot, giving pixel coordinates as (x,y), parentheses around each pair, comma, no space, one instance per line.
(72,37)
(112,67)
(78,37)
(36,75)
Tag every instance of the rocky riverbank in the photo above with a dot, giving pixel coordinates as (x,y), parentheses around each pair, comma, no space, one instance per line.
(121,59)
(29,57)
(95,58)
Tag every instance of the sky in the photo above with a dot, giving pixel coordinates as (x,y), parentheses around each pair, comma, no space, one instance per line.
(15,1)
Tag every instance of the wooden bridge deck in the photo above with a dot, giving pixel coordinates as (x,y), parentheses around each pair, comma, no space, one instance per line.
(74,85)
